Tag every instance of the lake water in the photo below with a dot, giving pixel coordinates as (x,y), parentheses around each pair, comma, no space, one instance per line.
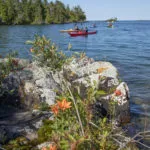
(127,46)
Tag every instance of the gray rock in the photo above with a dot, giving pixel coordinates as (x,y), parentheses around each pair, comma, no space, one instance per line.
(121,110)
(74,71)
(6,134)
(107,83)
(36,84)
(22,123)
(33,84)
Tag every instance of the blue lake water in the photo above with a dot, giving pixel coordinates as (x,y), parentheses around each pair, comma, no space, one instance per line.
(127,46)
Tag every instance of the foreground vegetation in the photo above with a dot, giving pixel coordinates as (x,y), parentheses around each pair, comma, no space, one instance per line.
(74,126)
(38,12)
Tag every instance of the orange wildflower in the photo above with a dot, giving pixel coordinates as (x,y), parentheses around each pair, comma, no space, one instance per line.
(31,50)
(118,93)
(64,104)
(55,109)
(52,147)
(100,70)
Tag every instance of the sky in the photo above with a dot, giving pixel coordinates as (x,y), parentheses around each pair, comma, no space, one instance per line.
(105,9)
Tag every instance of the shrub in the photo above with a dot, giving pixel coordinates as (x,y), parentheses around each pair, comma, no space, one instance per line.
(46,53)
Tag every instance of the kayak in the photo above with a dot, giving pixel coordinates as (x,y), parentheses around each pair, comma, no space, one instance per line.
(110,26)
(69,30)
(80,33)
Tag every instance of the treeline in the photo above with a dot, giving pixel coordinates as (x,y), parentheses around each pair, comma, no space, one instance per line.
(38,12)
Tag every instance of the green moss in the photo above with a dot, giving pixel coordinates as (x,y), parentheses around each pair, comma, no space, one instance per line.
(44,106)
(44,133)
(19,143)
(100,93)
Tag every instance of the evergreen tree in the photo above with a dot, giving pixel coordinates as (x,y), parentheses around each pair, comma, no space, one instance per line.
(10,11)
(18,12)
(78,13)
(38,15)
(68,13)
(38,12)
(59,12)
(26,12)
(4,11)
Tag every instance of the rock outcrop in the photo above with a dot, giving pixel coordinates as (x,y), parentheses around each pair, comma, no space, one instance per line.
(103,77)
(34,84)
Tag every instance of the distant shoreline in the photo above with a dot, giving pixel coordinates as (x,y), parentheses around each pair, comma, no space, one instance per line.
(45,23)
(74,22)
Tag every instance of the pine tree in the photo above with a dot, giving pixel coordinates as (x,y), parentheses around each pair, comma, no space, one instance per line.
(38,12)
(26,12)
(4,11)
(19,18)
(38,15)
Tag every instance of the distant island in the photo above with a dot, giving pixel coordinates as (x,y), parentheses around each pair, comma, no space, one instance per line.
(38,12)
(112,19)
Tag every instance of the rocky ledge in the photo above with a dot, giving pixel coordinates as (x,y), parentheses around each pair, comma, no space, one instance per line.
(34,85)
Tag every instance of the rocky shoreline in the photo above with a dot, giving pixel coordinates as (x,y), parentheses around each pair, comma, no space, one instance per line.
(35,85)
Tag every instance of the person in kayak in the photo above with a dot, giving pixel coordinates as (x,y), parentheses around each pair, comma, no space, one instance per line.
(86,29)
(110,24)
(76,28)
(94,25)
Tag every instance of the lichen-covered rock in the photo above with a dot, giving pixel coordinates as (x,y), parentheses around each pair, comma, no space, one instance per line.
(104,74)
(117,103)
(45,83)
(74,70)
(36,84)
(103,77)
(32,84)
(107,83)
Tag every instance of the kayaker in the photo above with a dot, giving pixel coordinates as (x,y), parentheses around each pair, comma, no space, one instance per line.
(86,29)
(76,28)
(94,25)
(110,24)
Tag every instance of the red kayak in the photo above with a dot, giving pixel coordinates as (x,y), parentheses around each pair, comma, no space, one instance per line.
(80,33)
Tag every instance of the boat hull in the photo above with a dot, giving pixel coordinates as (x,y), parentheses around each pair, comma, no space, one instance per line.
(81,33)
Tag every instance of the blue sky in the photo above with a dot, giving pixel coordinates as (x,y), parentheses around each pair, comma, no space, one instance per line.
(122,9)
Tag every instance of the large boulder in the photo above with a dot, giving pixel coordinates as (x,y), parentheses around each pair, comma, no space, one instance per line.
(38,84)
(83,74)
(32,85)
(117,103)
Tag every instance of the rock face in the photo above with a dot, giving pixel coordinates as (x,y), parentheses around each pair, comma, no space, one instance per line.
(42,85)
(34,85)
(103,77)
(21,123)
(38,84)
